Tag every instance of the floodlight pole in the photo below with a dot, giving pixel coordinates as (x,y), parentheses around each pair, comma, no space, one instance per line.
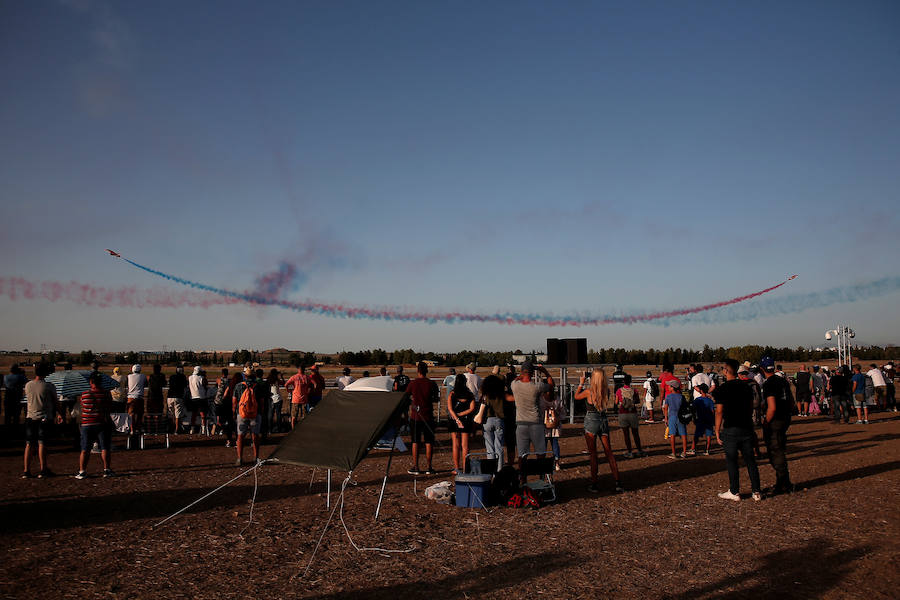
(386,471)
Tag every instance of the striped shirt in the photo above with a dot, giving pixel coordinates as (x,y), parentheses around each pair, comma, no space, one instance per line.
(93,408)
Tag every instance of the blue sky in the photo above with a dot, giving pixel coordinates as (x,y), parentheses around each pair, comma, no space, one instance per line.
(509,155)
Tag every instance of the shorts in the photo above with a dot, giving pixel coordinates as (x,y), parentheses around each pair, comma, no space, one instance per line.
(676,427)
(648,403)
(702,430)
(452,427)
(199,405)
(628,420)
(596,423)
(859,400)
(36,430)
(297,410)
(880,393)
(248,425)
(530,434)
(91,433)
(135,408)
(421,431)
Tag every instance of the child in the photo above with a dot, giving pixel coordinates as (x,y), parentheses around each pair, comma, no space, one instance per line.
(671,404)
(704,408)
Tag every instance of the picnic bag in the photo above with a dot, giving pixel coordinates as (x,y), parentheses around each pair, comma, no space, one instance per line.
(247,407)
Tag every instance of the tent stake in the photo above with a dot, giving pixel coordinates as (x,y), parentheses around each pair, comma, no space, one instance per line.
(386,471)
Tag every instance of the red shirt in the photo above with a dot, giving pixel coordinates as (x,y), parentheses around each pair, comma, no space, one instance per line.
(423,394)
(317,382)
(664,389)
(302,387)
(94,408)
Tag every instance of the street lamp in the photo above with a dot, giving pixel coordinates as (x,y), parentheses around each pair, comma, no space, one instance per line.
(844,334)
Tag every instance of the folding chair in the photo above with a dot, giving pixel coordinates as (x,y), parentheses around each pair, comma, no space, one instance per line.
(481,463)
(542,465)
(155,424)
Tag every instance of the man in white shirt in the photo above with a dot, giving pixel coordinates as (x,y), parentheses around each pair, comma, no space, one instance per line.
(137,382)
(473,381)
(698,378)
(649,397)
(199,403)
(879,383)
(345,379)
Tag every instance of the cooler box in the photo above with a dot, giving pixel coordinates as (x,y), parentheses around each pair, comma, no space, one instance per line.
(472,490)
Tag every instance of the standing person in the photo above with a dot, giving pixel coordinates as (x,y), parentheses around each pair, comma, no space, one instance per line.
(777,394)
(805,389)
(263,397)
(734,431)
(858,389)
(509,417)
(345,379)
(95,407)
(460,406)
(401,381)
(299,386)
(137,383)
(12,404)
(880,385)
(156,382)
(819,384)
(529,416)
(757,375)
(651,392)
(423,393)
(447,385)
(178,385)
(699,378)
(219,398)
(626,402)
(618,378)
(119,394)
(42,404)
(596,425)
(889,375)
(317,387)
(553,426)
(493,395)
(705,423)
(473,381)
(246,413)
(275,380)
(744,375)
(839,384)
(227,409)
(198,399)
(671,405)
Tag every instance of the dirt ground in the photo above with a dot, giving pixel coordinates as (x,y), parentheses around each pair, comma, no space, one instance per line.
(667,536)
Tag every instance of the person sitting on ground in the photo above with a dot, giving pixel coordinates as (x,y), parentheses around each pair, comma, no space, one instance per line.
(460,406)
(671,406)
(247,414)
(734,430)
(178,384)
(626,403)
(95,426)
(596,425)
(422,394)
(42,407)
(705,422)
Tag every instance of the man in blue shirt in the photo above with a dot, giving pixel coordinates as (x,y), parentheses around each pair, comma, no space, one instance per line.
(858,389)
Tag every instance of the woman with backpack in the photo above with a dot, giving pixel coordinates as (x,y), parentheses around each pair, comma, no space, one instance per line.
(226,410)
(274,380)
(460,406)
(554,415)
(596,425)
(626,403)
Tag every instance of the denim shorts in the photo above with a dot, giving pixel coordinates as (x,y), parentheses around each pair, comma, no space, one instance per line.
(596,423)
(90,433)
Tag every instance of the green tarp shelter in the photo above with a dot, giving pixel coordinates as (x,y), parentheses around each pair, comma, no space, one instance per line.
(338,433)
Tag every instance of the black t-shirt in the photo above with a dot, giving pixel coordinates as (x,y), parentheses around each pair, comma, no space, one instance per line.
(618,380)
(838,384)
(737,404)
(803,384)
(401,382)
(780,389)
(177,385)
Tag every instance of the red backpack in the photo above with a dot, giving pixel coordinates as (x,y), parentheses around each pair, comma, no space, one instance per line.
(247,407)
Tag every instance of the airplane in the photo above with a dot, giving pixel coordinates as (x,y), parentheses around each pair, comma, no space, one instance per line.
(112,253)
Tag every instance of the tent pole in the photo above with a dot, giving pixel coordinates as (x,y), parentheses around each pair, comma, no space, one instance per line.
(386,471)
(328,490)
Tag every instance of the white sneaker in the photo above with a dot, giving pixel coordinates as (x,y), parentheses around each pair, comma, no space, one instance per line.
(728,496)
(757,496)
(858,422)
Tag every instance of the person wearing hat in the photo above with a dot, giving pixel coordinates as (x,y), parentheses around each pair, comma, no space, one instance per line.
(473,381)
(671,405)
(137,383)
(119,394)
(650,386)
(199,403)
(779,403)
(891,390)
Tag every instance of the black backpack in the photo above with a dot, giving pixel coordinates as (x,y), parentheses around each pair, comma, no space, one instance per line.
(686,411)
(654,388)
(505,484)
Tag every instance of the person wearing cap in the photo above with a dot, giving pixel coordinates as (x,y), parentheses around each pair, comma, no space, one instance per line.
(889,375)
(839,386)
(198,403)
(318,386)
(345,379)
(473,381)
(858,389)
(618,378)
(779,403)
(649,397)
(178,385)
(671,405)
(119,394)
(137,383)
